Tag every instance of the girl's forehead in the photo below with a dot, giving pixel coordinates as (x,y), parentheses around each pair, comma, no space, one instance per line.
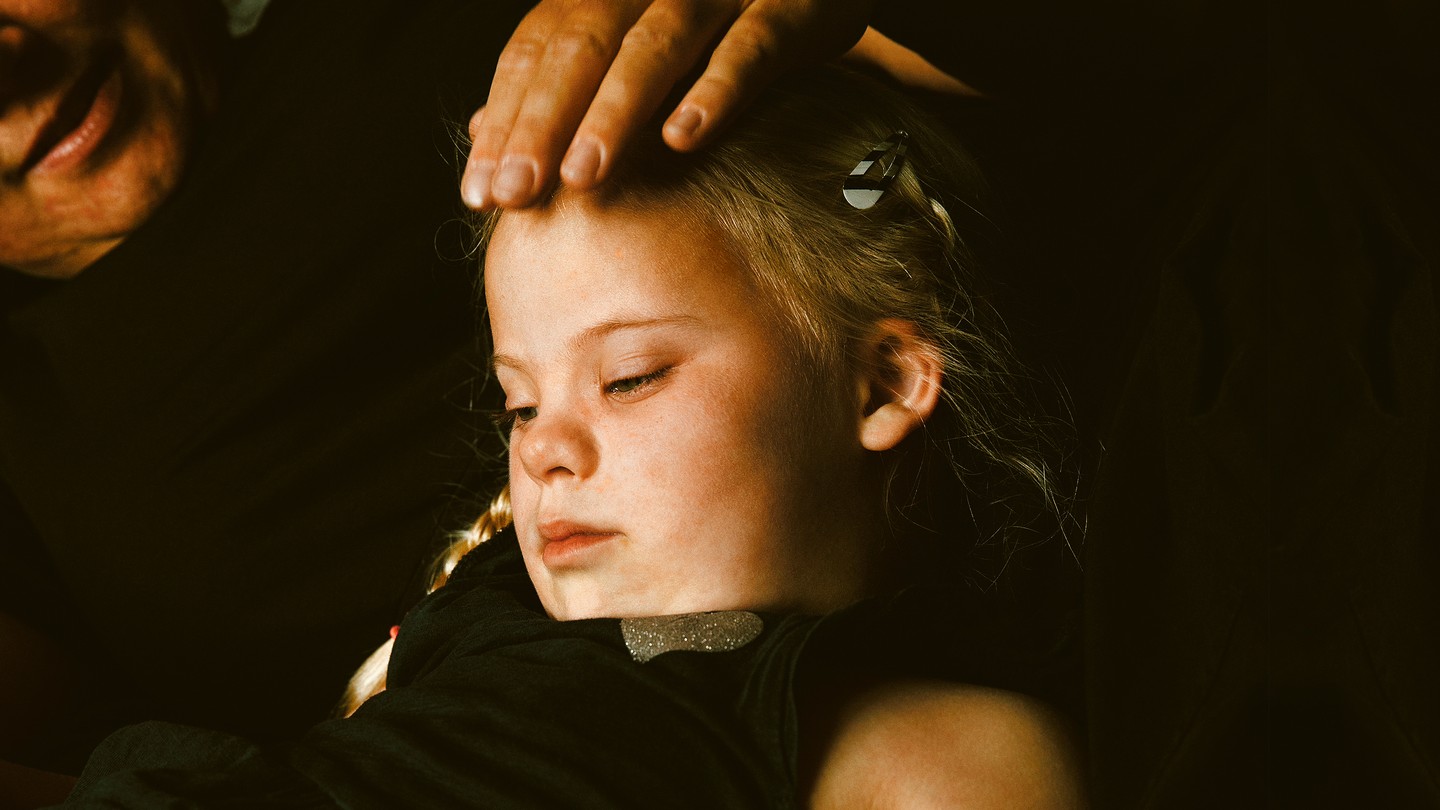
(596,220)
(554,273)
(585,247)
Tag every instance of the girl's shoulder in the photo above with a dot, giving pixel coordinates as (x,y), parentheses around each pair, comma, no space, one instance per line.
(896,689)
(938,744)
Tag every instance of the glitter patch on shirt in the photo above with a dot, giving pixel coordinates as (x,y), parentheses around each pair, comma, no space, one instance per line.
(721,631)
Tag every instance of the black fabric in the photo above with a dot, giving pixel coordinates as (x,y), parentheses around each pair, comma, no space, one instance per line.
(1223,218)
(491,703)
(237,439)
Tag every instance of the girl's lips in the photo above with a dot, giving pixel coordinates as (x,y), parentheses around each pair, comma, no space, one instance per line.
(97,114)
(564,544)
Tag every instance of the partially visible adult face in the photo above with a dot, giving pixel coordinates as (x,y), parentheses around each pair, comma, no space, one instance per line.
(665,458)
(98,102)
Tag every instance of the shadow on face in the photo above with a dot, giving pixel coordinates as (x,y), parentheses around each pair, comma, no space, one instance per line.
(663,456)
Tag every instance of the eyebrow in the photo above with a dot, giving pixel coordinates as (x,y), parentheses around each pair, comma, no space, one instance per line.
(599,331)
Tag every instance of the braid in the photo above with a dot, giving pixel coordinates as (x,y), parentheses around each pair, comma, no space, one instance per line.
(490,523)
(369,680)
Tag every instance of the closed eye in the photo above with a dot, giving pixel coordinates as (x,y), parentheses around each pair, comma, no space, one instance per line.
(510,418)
(635,385)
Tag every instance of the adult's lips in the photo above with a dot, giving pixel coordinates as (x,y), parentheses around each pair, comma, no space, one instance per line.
(79,121)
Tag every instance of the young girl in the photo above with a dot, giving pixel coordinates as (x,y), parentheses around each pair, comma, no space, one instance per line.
(747,392)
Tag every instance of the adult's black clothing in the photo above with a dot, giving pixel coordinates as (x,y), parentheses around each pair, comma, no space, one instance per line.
(491,703)
(230,447)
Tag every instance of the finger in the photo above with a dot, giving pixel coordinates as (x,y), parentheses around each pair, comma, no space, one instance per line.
(747,59)
(905,66)
(576,59)
(662,46)
(490,125)
(765,41)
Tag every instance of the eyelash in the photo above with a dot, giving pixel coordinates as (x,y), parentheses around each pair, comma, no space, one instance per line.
(637,383)
(507,420)
(511,418)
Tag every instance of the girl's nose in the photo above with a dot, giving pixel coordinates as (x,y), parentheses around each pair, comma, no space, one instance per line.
(554,445)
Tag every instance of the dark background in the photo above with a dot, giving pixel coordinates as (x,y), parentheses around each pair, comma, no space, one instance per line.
(1217,225)
(1221,223)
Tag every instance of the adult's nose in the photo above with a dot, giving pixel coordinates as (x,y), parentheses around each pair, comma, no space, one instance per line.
(557,444)
(33,64)
(12,42)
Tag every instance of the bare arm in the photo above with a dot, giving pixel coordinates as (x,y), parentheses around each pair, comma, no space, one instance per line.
(927,745)
(906,66)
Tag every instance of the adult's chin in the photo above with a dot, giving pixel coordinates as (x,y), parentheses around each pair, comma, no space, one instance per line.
(62,225)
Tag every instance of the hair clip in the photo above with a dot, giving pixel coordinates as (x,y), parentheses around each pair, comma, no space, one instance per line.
(862,188)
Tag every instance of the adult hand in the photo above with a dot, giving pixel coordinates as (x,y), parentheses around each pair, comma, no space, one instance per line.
(579,77)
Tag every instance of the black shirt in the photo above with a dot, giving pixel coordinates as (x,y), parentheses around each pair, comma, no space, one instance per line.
(491,703)
(234,442)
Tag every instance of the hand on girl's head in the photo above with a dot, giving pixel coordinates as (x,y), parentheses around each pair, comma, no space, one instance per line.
(578,80)
(666,456)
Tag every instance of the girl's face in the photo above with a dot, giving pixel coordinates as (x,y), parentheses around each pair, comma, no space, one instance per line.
(664,456)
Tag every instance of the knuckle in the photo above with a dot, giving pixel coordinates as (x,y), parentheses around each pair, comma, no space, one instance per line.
(574,44)
(715,90)
(486,144)
(533,137)
(752,43)
(605,122)
(520,55)
(487,136)
(656,39)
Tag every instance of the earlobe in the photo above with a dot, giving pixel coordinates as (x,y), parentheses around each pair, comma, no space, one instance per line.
(900,389)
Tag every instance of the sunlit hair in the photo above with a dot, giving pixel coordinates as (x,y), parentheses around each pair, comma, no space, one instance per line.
(771,188)
(369,679)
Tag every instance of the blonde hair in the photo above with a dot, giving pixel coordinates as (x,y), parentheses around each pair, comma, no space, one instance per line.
(772,187)
(369,679)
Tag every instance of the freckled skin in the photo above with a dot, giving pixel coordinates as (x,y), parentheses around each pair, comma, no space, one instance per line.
(711,491)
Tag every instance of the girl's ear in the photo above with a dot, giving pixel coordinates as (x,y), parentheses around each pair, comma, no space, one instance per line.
(900,379)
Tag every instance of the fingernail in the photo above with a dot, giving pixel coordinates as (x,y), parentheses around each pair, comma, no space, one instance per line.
(686,122)
(582,165)
(476,186)
(515,180)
